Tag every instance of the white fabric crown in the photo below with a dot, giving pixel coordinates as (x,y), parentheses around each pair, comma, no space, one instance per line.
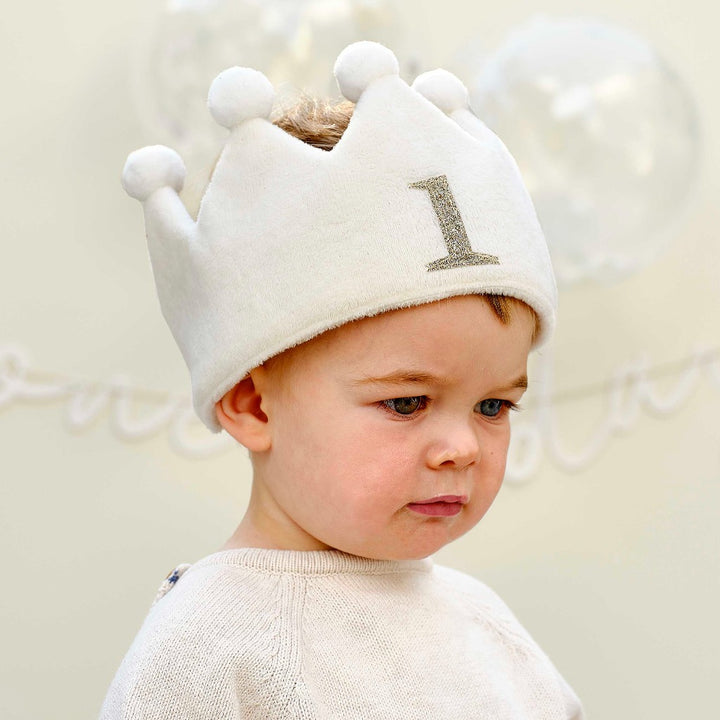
(418,201)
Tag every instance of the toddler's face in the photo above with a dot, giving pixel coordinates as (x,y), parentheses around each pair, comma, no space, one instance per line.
(354,457)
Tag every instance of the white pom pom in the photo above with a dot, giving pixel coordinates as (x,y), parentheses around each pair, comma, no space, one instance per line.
(361,63)
(150,168)
(443,89)
(238,94)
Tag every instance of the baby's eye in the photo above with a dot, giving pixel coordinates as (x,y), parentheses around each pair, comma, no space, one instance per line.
(405,405)
(492,407)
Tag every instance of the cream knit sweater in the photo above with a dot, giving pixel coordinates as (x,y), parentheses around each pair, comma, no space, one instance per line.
(271,634)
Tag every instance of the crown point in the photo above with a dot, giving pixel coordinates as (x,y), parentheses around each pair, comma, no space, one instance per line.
(150,168)
(361,63)
(238,94)
(442,89)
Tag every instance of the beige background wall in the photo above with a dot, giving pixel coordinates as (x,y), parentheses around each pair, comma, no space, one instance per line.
(613,569)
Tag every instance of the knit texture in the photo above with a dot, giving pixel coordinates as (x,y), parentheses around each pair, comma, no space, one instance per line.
(323,635)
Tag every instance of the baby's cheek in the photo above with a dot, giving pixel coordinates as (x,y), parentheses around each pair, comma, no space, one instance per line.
(362,503)
(496,445)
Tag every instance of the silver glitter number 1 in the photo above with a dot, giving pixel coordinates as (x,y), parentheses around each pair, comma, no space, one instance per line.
(460,253)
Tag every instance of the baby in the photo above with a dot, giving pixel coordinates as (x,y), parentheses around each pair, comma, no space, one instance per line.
(360,320)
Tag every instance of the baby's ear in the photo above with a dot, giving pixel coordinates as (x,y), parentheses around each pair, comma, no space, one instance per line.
(239,412)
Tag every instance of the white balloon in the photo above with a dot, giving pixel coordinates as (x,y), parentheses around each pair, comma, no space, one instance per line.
(293,42)
(605,134)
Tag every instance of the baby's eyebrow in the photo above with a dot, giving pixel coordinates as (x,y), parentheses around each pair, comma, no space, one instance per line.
(418,377)
(403,377)
(521,382)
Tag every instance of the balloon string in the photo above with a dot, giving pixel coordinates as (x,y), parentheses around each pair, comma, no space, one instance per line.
(631,389)
(702,357)
(87,401)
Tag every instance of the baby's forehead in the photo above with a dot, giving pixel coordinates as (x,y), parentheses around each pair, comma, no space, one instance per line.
(442,337)
(417,322)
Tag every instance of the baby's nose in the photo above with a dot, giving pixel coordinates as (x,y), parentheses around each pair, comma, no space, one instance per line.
(457,446)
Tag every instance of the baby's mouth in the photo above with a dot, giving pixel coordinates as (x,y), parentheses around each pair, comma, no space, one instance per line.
(441,506)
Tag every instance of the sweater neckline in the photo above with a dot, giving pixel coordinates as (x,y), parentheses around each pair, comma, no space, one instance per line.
(311,562)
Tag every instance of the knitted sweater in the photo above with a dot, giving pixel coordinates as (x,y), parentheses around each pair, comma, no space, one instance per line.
(323,635)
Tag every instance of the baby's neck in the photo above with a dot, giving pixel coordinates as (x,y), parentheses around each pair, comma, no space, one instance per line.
(256,532)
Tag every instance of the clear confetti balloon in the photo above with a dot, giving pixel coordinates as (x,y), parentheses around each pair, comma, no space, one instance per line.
(293,42)
(605,134)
